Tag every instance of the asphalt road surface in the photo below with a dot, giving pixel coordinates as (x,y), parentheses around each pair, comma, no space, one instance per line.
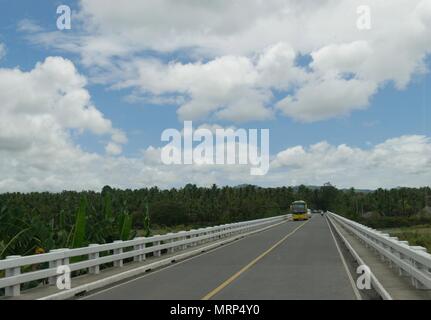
(295,260)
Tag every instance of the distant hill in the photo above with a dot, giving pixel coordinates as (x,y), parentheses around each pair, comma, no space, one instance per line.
(344,189)
(311,187)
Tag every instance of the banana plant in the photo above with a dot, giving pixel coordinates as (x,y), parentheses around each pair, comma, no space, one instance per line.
(147,230)
(107,207)
(79,228)
(5,246)
(125,224)
(126,227)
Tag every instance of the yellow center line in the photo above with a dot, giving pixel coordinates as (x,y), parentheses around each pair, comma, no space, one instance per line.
(248,266)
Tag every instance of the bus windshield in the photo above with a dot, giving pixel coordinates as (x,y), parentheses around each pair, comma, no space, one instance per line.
(298,207)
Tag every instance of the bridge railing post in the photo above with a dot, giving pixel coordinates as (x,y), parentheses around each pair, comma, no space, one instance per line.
(55,264)
(222,229)
(197,235)
(189,237)
(94,256)
(209,232)
(184,237)
(138,257)
(119,262)
(193,243)
(144,255)
(401,256)
(157,253)
(15,290)
(384,246)
(392,250)
(171,248)
(416,283)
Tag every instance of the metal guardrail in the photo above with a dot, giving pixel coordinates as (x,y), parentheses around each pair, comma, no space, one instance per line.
(138,249)
(412,261)
(378,287)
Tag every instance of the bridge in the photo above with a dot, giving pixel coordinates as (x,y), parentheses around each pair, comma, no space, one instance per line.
(272,258)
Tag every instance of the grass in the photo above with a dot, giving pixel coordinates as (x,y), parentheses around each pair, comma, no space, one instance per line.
(416,235)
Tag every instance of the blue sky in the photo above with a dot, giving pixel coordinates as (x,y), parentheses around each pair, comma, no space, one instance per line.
(390,114)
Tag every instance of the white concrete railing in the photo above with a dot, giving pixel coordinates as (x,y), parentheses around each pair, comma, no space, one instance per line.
(137,249)
(412,261)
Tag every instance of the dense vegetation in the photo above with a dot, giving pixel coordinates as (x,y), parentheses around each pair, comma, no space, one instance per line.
(419,235)
(38,222)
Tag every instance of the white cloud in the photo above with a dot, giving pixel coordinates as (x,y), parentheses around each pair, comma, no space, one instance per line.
(55,164)
(327,98)
(240,51)
(41,109)
(341,58)
(223,88)
(277,68)
(113,149)
(402,161)
(53,93)
(234,55)
(235,88)
(27,25)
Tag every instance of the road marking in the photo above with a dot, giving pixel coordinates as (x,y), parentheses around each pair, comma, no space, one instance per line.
(179,262)
(251,264)
(349,275)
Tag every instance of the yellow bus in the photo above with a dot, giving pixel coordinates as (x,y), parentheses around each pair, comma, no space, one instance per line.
(299,210)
